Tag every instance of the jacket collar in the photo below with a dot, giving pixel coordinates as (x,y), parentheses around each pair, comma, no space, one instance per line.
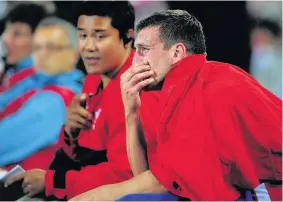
(184,69)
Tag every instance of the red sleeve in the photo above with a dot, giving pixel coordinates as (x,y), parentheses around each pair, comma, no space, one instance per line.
(247,119)
(49,186)
(68,144)
(186,162)
(219,142)
(117,169)
(190,168)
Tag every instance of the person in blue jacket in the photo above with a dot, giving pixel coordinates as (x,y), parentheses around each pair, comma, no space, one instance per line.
(32,112)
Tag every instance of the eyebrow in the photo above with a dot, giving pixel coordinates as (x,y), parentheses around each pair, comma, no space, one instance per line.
(95,30)
(142,45)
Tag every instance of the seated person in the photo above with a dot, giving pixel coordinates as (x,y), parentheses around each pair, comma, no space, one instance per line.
(215,132)
(94,152)
(21,22)
(33,111)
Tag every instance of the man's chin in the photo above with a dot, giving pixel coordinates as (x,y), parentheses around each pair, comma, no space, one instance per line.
(93,71)
(148,88)
(154,86)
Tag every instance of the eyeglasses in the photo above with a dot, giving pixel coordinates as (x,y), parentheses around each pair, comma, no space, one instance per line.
(51,48)
(15,34)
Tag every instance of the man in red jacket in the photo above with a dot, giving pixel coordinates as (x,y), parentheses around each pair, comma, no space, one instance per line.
(96,155)
(213,134)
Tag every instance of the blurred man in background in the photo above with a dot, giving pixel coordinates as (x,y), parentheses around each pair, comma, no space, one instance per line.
(266,57)
(266,44)
(33,111)
(21,22)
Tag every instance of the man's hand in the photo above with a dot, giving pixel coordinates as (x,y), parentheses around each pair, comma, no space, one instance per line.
(77,117)
(132,82)
(33,181)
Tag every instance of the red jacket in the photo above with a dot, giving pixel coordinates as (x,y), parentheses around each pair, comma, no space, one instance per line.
(215,129)
(10,81)
(107,134)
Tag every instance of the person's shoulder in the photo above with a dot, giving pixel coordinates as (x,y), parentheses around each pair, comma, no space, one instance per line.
(220,71)
(226,81)
(91,83)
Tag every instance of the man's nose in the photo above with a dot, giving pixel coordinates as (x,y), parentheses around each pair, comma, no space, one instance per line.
(91,45)
(137,59)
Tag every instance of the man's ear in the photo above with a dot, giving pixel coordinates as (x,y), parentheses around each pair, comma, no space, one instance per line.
(128,37)
(179,51)
(131,33)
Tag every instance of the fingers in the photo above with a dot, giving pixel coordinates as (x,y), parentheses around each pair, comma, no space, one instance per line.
(26,189)
(74,125)
(77,116)
(30,191)
(83,97)
(136,78)
(141,76)
(75,108)
(139,86)
(79,98)
(135,70)
(82,112)
(13,179)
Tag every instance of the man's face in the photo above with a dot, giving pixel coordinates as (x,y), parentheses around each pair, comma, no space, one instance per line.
(51,50)
(100,46)
(150,49)
(17,38)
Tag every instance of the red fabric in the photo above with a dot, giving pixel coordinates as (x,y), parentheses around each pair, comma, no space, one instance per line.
(49,180)
(275,191)
(10,81)
(90,86)
(108,133)
(91,82)
(213,128)
(65,93)
(16,104)
(40,159)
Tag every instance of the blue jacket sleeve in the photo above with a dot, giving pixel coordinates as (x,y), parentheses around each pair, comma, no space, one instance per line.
(33,127)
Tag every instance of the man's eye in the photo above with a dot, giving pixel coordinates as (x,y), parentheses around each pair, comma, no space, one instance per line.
(82,36)
(18,34)
(100,36)
(143,49)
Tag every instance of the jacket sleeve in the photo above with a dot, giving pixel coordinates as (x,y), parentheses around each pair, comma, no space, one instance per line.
(186,163)
(33,127)
(70,183)
(211,148)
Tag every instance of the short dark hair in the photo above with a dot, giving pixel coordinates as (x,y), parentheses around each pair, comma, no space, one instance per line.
(121,12)
(29,13)
(177,26)
(273,27)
